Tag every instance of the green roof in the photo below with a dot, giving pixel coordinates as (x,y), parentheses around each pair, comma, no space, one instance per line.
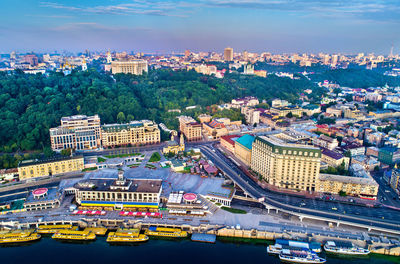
(246,141)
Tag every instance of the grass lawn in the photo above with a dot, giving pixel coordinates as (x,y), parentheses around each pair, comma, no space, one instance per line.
(89,169)
(122,155)
(155,157)
(100,159)
(234,210)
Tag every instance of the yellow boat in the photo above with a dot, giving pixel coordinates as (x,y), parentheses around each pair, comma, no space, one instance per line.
(51,229)
(165,232)
(18,236)
(70,234)
(100,231)
(126,236)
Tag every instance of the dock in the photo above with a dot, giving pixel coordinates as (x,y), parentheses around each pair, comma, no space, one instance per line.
(205,238)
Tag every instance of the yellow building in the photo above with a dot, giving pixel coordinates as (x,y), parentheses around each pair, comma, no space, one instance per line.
(284,165)
(284,111)
(190,128)
(134,133)
(364,187)
(334,159)
(228,54)
(173,146)
(136,67)
(39,168)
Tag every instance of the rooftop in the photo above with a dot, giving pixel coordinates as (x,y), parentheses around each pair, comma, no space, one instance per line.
(26,163)
(246,141)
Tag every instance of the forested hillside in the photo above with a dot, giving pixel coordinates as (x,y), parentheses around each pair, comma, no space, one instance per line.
(31,104)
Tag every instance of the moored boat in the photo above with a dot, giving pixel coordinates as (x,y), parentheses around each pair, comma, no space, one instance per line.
(166,232)
(51,229)
(18,236)
(98,231)
(69,234)
(126,236)
(333,247)
(292,244)
(300,256)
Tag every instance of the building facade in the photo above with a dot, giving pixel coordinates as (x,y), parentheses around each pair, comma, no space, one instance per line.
(190,128)
(243,146)
(120,193)
(41,168)
(133,133)
(228,54)
(284,165)
(79,132)
(137,67)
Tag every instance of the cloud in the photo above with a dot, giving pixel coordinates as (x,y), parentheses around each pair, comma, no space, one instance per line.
(134,8)
(378,10)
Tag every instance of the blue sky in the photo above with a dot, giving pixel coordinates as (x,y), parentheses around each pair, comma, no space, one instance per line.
(208,25)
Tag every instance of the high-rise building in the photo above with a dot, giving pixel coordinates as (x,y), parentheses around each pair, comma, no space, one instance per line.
(109,58)
(228,54)
(133,133)
(77,132)
(84,65)
(136,67)
(32,59)
(190,128)
(285,165)
(187,53)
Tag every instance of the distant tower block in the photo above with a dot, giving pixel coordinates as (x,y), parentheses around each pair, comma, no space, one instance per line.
(84,65)
(109,59)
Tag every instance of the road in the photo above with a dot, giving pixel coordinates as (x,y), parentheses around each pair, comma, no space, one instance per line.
(378,217)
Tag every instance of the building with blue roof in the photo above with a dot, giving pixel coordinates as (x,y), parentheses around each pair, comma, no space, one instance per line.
(243,146)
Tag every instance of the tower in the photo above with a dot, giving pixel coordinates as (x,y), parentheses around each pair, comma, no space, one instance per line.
(228,54)
(391,52)
(84,65)
(182,141)
(109,59)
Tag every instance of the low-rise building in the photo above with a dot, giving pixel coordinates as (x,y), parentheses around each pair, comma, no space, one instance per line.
(326,142)
(134,133)
(334,159)
(39,168)
(284,111)
(360,184)
(368,163)
(119,193)
(228,142)
(8,175)
(389,155)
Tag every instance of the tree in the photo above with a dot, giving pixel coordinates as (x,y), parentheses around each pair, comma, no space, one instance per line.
(289,115)
(121,117)
(342,193)
(66,152)
(130,118)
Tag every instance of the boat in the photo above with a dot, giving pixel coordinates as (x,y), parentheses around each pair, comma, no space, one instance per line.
(126,236)
(98,231)
(300,256)
(165,232)
(18,236)
(333,247)
(51,229)
(292,244)
(70,234)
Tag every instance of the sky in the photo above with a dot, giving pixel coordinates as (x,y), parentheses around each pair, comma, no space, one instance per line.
(165,26)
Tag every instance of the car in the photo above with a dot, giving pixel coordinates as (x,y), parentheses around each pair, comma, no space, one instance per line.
(387,191)
(303,204)
(334,208)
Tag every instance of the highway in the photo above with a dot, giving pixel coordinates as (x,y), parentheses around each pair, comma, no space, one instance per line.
(373,217)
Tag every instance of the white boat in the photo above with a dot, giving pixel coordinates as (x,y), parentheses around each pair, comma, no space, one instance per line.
(331,247)
(274,249)
(300,256)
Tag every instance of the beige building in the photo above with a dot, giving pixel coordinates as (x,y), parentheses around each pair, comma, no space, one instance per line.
(364,187)
(136,67)
(284,165)
(79,132)
(284,111)
(334,159)
(243,146)
(190,128)
(119,193)
(134,133)
(228,54)
(39,168)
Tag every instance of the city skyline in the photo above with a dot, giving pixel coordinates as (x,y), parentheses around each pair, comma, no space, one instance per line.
(172,26)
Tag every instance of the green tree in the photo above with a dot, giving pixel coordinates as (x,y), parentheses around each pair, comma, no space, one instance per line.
(121,117)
